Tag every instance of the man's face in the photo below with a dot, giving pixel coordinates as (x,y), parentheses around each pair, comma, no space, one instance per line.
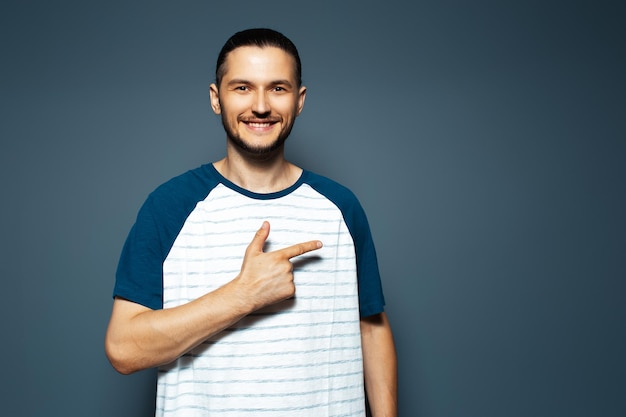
(258,98)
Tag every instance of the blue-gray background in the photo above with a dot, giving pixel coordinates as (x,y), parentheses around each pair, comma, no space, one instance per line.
(486,140)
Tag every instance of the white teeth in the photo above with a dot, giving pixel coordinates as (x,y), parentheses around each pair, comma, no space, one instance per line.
(259,124)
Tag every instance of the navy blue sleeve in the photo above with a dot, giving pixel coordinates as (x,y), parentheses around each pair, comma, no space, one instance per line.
(371,299)
(139,276)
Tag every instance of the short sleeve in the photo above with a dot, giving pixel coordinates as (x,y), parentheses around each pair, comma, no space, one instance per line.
(139,276)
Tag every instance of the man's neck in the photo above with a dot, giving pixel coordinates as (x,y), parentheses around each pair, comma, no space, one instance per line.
(262,175)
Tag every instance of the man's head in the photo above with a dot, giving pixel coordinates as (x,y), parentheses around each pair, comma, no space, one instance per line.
(260,38)
(258,92)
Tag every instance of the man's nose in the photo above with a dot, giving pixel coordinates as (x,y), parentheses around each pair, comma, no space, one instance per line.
(261,104)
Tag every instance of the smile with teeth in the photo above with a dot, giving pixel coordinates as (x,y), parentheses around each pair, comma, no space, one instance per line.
(260,126)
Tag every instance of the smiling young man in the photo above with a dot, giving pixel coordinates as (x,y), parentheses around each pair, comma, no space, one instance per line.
(241,321)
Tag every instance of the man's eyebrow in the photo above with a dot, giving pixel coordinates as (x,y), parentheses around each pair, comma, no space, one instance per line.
(281,82)
(238,81)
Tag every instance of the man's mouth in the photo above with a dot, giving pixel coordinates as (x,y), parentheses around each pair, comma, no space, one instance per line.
(260,125)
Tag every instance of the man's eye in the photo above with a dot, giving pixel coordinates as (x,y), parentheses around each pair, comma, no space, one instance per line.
(241,88)
(279,89)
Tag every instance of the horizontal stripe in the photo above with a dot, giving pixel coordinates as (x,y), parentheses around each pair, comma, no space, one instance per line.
(199,368)
(353,349)
(217,381)
(262,410)
(181,301)
(280,340)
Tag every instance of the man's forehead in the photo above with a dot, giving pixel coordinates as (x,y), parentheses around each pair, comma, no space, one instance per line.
(255,58)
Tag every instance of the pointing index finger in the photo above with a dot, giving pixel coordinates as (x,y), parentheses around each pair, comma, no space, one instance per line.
(300,248)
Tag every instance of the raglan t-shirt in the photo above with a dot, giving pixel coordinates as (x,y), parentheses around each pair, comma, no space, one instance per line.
(298,357)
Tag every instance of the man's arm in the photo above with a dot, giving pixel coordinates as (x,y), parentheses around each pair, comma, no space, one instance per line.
(140,338)
(380,366)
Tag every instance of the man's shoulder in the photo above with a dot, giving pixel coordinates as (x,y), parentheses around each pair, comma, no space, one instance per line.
(338,193)
(191,182)
(182,191)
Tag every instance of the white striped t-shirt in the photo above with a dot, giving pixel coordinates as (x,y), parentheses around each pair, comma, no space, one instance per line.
(301,357)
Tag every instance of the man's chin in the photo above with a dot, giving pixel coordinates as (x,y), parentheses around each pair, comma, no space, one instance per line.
(264,151)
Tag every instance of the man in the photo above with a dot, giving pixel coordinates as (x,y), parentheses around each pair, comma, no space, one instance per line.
(242,321)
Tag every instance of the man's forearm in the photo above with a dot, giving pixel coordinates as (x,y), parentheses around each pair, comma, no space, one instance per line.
(380,366)
(139,338)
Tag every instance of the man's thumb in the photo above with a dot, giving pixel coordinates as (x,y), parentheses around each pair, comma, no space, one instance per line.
(259,238)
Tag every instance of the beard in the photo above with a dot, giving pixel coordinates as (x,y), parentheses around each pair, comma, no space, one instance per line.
(255,151)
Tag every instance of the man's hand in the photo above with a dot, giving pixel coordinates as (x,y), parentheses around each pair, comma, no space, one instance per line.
(268,276)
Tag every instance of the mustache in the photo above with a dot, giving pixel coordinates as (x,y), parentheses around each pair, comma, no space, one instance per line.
(252,119)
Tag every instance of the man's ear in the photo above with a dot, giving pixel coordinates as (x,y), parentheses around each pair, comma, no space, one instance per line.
(301,97)
(215,99)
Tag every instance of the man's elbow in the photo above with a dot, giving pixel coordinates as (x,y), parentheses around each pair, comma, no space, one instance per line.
(119,357)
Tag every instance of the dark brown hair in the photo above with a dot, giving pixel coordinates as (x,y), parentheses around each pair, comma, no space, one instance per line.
(261,38)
